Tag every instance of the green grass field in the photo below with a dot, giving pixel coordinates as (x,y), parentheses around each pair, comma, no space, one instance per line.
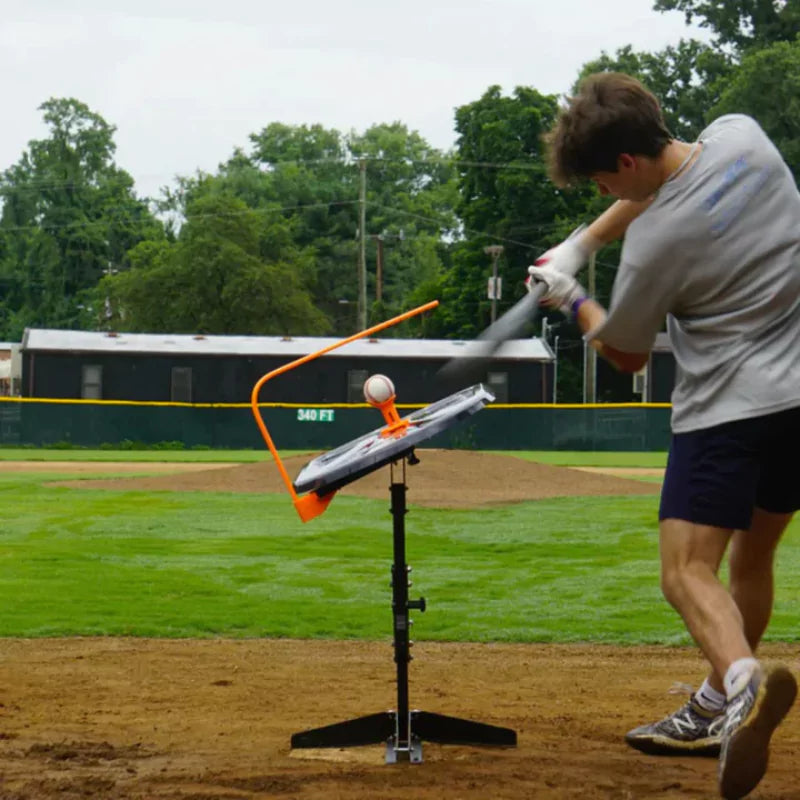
(92,562)
(80,454)
(562,458)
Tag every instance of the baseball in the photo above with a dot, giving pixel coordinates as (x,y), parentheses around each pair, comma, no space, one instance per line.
(378,389)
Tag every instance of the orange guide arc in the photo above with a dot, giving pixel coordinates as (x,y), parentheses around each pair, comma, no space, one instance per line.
(311,505)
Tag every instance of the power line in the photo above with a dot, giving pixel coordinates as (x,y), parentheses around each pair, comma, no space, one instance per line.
(443,225)
(217,215)
(501,239)
(35,184)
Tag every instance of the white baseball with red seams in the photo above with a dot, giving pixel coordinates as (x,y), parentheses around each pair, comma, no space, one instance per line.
(378,389)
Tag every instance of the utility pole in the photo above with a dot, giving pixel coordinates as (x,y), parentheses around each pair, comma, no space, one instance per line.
(590,359)
(379,268)
(555,370)
(379,239)
(362,245)
(495,251)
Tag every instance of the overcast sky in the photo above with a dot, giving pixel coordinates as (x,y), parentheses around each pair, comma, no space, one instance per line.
(187,81)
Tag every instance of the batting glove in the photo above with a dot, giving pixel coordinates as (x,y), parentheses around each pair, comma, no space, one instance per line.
(562,291)
(569,256)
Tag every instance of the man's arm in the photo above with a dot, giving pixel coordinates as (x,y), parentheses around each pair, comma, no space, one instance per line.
(570,256)
(590,316)
(608,227)
(563,292)
(613,222)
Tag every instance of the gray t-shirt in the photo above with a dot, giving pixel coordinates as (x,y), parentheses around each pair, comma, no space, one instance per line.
(718,255)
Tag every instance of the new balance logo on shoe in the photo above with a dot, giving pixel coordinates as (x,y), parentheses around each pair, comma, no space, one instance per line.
(691,730)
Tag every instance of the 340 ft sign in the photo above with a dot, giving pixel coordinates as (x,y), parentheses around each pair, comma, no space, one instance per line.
(315,415)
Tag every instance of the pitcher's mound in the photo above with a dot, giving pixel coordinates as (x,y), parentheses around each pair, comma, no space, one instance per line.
(443,478)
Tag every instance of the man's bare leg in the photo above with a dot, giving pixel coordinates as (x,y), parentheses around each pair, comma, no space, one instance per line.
(758,699)
(690,558)
(696,728)
(751,557)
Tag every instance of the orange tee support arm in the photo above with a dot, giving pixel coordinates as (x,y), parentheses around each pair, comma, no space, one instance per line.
(312,505)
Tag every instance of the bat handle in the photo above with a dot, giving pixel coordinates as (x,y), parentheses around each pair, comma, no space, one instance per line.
(536,293)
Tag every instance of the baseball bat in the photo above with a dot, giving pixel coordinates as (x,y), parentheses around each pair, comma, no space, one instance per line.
(471,367)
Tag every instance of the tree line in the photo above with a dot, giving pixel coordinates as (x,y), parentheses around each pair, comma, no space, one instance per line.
(268,244)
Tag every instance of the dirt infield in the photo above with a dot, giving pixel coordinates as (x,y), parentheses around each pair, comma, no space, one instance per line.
(142,719)
(140,467)
(443,478)
(207,720)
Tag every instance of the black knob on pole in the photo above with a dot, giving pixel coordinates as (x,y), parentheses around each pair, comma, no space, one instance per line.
(420,604)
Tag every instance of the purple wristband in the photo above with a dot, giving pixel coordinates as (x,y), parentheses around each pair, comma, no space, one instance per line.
(576,304)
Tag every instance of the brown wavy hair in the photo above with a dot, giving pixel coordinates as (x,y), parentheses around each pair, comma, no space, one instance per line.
(612,114)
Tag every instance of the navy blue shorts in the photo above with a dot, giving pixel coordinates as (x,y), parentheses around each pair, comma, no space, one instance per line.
(716,476)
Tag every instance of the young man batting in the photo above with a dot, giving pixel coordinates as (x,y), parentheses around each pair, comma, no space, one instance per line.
(712,247)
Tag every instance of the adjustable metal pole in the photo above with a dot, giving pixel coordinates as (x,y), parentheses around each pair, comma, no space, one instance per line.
(400,614)
(405,745)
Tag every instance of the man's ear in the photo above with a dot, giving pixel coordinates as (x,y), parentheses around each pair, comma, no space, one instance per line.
(626,161)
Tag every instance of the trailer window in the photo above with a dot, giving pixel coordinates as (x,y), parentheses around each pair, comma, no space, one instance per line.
(355,385)
(92,382)
(497,384)
(181,390)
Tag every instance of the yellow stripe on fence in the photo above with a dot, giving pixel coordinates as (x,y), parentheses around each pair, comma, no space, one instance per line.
(77,401)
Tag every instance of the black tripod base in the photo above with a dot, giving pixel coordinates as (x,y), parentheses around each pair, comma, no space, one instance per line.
(405,744)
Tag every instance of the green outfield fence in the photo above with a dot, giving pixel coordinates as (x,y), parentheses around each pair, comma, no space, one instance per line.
(91,423)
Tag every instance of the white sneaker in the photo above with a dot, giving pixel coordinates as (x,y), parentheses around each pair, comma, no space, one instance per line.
(751,717)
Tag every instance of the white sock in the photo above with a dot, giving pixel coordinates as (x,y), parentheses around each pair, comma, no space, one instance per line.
(709,698)
(738,675)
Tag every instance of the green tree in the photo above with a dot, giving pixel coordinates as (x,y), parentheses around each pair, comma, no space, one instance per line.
(310,176)
(766,85)
(232,270)
(69,217)
(687,79)
(505,198)
(411,198)
(741,24)
(297,174)
(306,174)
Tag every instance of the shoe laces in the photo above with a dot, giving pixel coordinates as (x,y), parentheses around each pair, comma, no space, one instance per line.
(681,688)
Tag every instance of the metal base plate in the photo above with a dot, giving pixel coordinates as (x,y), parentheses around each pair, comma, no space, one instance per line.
(412,753)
